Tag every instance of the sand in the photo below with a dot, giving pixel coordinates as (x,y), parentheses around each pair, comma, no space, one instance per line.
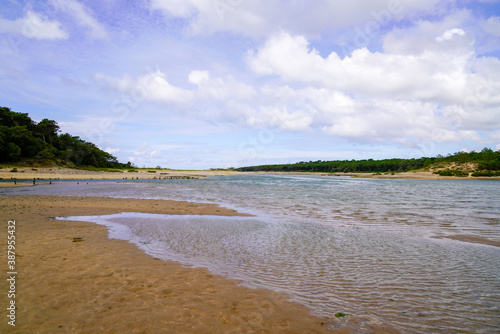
(415,175)
(93,284)
(25,175)
(28,174)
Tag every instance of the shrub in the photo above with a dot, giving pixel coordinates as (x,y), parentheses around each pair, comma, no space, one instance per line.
(13,170)
(488,173)
(444,172)
(452,172)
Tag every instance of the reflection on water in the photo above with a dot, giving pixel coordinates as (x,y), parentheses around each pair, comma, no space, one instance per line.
(334,244)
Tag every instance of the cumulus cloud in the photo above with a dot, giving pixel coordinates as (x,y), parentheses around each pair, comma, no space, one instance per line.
(426,82)
(155,87)
(437,92)
(219,88)
(34,25)
(151,87)
(367,97)
(361,120)
(430,75)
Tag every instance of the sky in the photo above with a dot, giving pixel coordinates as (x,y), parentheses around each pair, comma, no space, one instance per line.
(198,84)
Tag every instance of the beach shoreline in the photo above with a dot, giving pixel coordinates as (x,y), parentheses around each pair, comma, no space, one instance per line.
(73,278)
(25,175)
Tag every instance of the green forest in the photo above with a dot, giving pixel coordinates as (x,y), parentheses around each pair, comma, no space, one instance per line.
(26,142)
(487,163)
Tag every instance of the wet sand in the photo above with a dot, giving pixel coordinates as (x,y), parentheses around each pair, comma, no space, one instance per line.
(471,239)
(73,279)
(26,175)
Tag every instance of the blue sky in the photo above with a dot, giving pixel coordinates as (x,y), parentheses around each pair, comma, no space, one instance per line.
(195,84)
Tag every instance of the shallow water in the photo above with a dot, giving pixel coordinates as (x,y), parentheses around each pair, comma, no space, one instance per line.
(334,244)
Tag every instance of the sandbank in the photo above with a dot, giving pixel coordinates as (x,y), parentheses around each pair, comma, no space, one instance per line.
(415,175)
(26,174)
(93,284)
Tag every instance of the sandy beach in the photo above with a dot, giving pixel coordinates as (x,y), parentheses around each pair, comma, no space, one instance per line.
(25,175)
(72,279)
(54,173)
(414,175)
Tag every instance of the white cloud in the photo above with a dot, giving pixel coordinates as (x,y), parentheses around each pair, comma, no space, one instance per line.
(155,87)
(147,154)
(438,92)
(448,35)
(430,76)
(150,87)
(178,8)
(492,26)
(259,18)
(112,150)
(425,83)
(197,77)
(33,25)
(82,15)
(281,117)
(360,120)
(367,97)
(219,88)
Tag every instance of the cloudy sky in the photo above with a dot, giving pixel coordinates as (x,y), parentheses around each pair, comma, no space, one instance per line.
(197,84)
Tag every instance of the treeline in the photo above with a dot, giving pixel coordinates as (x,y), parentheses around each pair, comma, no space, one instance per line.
(487,159)
(25,141)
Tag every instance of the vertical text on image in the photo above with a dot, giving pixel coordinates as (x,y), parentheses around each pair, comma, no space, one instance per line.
(11,272)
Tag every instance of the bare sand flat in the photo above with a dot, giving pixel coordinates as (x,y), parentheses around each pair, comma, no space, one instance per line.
(472,239)
(415,175)
(52,173)
(25,175)
(93,284)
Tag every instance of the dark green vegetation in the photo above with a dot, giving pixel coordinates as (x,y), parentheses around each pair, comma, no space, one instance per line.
(25,142)
(452,172)
(486,163)
(486,173)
